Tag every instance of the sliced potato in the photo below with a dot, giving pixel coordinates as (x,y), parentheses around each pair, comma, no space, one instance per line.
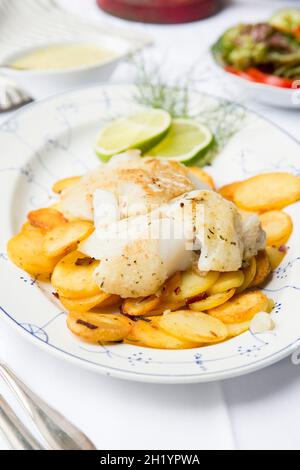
(227,281)
(65,183)
(28,227)
(112,301)
(267,191)
(25,250)
(64,238)
(46,218)
(278,226)
(249,273)
(193,284)
(271,305)
(212,301)
(87,303)
(263,269)
(235,329)
(73,276)
(141,305)
(168,296)
(166,305)
(172,284)
(202,176)
(275,255)
(240,308)
(197,327)
(99,328)
(148,333)
(228,190)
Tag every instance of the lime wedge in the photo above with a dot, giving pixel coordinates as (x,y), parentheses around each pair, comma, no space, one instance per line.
(186,140)
(141,131)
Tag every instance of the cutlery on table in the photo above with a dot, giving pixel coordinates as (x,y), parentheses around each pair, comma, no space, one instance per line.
(57,431)
(18,436)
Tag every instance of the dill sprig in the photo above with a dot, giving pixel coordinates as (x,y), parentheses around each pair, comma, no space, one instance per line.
(154,91)
(224,118)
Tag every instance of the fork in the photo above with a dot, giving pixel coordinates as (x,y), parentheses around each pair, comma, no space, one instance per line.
(57,431)
(14,430)
(11,95)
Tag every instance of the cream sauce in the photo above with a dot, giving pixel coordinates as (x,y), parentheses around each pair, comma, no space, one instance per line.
(64,57)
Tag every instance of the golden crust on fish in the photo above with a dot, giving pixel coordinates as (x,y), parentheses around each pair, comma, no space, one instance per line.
(152,182)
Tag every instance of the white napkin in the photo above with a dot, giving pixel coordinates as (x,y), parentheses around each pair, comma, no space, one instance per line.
(265,407)
(117,414)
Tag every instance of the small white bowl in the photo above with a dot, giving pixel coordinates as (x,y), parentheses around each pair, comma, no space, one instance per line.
(267,94)
(41,83)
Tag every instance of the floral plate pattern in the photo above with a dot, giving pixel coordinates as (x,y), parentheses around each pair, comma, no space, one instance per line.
(54,139)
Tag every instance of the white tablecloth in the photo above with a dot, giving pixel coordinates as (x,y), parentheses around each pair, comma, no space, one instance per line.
(258,411)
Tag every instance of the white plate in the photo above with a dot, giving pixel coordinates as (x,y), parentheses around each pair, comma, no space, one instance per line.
(54,139)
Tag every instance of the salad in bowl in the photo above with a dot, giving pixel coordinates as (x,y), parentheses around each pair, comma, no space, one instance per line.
(265,54)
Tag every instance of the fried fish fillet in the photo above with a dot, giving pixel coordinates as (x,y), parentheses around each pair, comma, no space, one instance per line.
(139,253)
(130,184)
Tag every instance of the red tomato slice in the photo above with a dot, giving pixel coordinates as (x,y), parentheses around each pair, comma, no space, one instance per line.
(239,73)
(255,75)
(268,79)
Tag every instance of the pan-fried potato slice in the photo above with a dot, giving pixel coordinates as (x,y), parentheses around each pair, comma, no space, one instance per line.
(197,327)
(228,190)
(271,305)
(267,191)
(278,226)
(64,238)
(241,308)
(73,276)
(202,176)
(112,301)
(249,273)
(65,183)
(86,304)
(25,250)
(275,255)
(193,284)
(168,296)
(235,329)
(212,301)
(227,281)
(147,333)
(141,305)
(263,269)
(172,284)
(166,306)
(46,218)
(27,227)
(99,328)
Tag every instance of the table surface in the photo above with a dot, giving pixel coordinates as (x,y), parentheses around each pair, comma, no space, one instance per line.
(257,411)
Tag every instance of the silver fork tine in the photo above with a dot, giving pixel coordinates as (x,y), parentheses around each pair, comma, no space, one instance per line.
(18,436)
